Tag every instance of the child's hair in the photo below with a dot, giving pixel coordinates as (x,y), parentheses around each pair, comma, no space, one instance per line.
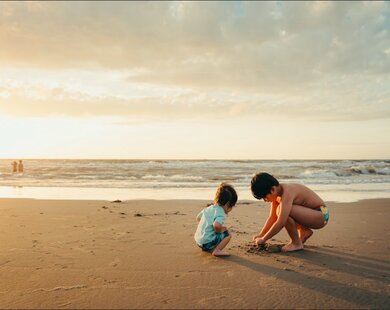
(262,183)
(226,194)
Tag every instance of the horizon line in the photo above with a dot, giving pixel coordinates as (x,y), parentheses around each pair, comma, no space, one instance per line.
(191,159)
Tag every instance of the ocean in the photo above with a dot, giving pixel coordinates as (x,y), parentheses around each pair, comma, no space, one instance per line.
(333,180)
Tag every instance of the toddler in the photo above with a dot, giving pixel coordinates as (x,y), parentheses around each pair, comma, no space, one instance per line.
(211,235)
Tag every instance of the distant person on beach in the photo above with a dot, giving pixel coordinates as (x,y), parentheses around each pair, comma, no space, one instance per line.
(293,206)
(14,165)
(20,167)
(211,235)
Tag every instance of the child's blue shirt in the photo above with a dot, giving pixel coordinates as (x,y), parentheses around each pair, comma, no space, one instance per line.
(205,232)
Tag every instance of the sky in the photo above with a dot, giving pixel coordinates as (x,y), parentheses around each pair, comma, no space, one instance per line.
(195,80)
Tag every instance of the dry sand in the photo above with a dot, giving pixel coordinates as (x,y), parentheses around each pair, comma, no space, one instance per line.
(141,254)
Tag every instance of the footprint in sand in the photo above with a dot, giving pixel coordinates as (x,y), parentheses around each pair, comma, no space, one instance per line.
(114,263)
(35,243)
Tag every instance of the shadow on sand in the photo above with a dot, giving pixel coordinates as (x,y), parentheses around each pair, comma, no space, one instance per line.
(361,267)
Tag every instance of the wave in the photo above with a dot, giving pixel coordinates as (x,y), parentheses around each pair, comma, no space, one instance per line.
(191,173)
(317,174)
(174,177)
(364,170)
(345,172)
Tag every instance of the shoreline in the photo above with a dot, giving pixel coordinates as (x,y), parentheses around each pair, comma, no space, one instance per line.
(138,254)
(340,194)
(240,202)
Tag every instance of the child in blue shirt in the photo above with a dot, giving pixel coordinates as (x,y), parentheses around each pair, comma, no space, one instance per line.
(211,235)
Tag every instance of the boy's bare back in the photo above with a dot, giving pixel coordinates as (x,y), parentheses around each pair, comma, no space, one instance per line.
(302,195)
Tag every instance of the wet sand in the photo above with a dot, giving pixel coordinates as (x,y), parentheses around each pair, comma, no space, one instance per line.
(141,254)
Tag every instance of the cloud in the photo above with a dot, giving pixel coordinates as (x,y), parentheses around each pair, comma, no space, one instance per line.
(35,100)
(320,60)
(165,34)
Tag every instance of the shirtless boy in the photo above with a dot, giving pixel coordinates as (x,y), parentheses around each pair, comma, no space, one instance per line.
(293,206)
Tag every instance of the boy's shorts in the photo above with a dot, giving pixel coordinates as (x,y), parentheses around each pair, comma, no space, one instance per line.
(210,246)
(325,213)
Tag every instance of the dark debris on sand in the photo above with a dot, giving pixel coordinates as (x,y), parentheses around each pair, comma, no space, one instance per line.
(261,249)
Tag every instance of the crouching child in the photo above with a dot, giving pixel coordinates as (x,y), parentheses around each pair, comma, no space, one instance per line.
(211,235)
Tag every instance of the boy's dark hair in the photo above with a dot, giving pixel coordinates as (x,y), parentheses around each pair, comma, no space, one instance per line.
(226,194)
(261,184)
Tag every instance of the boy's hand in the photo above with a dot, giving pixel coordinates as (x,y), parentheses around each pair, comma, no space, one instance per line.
(255,237)
(259,241)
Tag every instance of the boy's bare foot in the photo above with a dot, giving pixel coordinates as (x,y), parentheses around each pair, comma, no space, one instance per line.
(304,234)
(290,247)
(219,253)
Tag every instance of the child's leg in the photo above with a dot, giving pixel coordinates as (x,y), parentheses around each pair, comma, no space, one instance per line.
(307,217)
(295,244)
(300,221)
(218,251)
(304,233)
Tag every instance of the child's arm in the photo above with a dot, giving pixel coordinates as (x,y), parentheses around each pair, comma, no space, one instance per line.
(199,216)
(272,217)
(284,212)
(218,227)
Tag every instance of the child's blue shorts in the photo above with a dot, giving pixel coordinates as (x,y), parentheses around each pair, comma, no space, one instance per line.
(210,246)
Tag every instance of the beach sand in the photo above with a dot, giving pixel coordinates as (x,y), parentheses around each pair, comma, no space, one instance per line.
(141,254)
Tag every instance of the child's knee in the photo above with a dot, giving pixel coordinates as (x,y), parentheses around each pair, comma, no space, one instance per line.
(290,221)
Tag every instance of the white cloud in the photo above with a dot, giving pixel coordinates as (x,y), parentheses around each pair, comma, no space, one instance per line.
(316,60)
